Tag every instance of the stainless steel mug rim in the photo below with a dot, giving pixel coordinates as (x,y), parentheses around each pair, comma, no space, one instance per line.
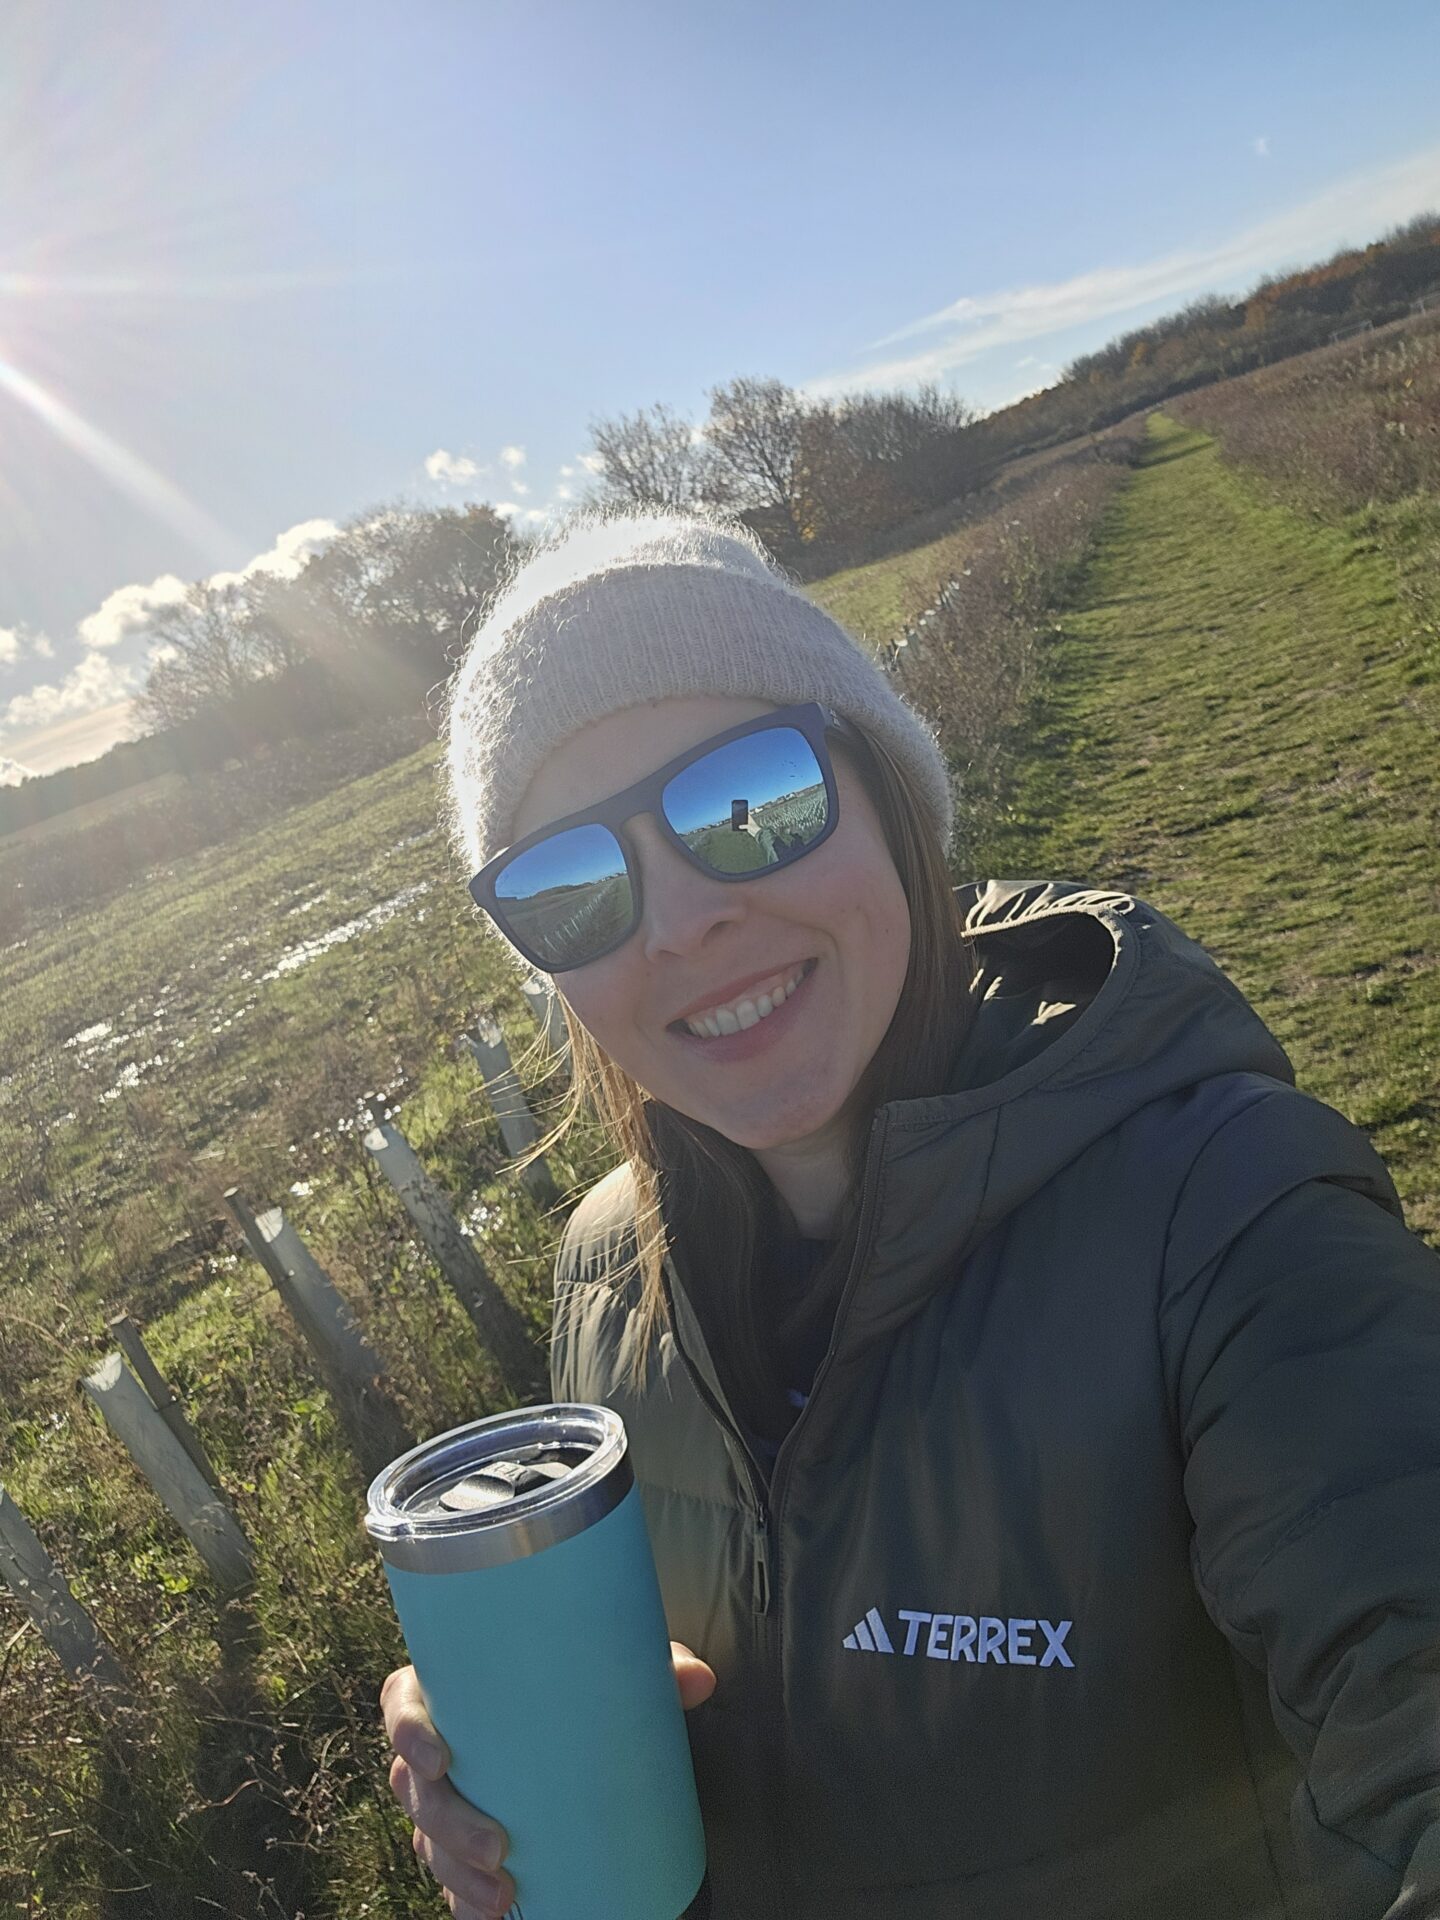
(430,1539)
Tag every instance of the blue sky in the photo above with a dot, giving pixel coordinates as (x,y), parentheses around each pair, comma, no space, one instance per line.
(260,264)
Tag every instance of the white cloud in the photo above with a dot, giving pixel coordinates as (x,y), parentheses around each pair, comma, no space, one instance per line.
(11,772)
(528,516)
(564,493)
(160,653)
(567,473)
(96,682)
(1262,145)
(512,457)
(288,555)
(128,610)
(520,486)
(15,641)
(591,462)
(1351,211)
(450,468)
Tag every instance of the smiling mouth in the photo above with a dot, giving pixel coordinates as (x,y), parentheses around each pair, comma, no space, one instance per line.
(749,1010)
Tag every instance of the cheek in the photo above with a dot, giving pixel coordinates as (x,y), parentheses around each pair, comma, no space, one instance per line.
(882,937)
(605,999)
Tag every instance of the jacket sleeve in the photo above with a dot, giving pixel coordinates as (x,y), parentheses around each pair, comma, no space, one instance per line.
(1303,1355)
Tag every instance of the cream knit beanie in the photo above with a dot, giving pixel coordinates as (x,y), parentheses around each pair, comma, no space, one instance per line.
(620,609)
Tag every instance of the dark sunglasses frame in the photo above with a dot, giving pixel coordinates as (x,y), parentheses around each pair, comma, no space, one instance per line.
(810,719)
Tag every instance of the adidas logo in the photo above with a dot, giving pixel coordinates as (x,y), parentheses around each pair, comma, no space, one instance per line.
(870,1634)
(960,1636)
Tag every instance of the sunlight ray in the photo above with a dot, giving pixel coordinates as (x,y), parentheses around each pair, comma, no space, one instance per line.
(124,469)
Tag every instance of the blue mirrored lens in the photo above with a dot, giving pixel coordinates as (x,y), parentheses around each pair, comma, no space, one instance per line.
(568,897)
(749,804)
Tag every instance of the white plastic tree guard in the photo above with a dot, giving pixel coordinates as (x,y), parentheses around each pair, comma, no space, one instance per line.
(204,1518)
(165,1400)
(501,1329)
(352,1371)
(507,1101)
(40,1587)
(544,1004)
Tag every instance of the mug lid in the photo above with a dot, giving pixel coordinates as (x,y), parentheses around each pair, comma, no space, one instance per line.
(523,1479)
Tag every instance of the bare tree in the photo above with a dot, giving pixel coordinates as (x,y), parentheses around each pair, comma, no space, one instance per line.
(891,428)
(376,613)
(395,586)
(653,458)
(755,433)
(210,653)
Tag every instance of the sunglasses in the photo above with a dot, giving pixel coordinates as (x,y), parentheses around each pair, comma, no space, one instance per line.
(744,803)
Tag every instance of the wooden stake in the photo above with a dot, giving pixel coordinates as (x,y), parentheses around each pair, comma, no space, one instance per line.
(40,1587)
(162,1395)
(501,1328)
(204,1518)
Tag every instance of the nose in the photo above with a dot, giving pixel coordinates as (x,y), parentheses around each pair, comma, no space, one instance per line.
(682,905)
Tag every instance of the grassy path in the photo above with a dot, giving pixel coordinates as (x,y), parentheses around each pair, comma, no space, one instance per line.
(1236,724)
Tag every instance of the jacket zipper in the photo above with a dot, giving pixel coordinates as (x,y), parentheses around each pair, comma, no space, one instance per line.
(759,1516)
(765,1501)
(864,1234)
(761,1588)
(765,1583)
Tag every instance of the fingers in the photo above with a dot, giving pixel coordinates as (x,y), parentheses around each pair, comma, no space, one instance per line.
(467,1889)
(695,1680)
(409,1727)
(448,1821)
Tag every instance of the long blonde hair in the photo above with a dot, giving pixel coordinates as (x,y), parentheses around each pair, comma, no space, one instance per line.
(724,1214)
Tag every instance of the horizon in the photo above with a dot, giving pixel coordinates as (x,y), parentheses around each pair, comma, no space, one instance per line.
(229,321)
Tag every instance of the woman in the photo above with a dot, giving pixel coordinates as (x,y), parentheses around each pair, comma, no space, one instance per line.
(1033,1394)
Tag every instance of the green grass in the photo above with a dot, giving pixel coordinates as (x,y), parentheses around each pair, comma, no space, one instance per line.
(876,601)
(1238,721)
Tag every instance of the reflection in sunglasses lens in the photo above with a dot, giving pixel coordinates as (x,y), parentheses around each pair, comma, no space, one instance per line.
(748,804)
(569,896)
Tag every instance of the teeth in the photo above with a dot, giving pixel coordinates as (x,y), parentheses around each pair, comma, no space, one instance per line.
(743,1013)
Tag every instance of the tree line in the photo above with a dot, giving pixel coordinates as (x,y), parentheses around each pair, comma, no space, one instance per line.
(371,624)
(364,631)
(808,475)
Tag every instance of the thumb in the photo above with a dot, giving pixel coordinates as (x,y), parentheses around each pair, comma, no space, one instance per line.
(695,1680)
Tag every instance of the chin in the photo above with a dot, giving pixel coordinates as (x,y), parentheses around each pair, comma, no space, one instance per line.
(759,1135)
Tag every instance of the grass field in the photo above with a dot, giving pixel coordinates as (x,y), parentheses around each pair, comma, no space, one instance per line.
(90,811)
(1236,719)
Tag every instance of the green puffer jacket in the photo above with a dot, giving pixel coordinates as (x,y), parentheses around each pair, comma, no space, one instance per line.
(1101,1574)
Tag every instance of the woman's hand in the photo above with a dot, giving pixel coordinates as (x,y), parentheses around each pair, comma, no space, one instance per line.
(462,1847)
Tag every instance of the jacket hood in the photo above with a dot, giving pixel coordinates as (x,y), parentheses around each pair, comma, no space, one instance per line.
(1089,1006)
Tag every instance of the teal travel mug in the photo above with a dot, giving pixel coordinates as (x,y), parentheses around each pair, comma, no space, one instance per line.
(522,1573)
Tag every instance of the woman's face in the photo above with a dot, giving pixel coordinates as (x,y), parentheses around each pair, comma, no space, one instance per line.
(840,914)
